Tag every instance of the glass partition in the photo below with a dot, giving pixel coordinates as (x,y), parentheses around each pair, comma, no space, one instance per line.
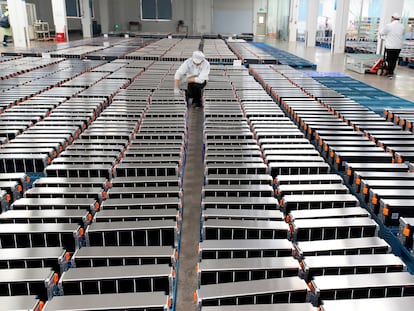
(278,21)
(363,23)
(302,17)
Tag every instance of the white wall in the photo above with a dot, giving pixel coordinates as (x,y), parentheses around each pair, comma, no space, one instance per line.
(121,12)
(202,10)
(233,17)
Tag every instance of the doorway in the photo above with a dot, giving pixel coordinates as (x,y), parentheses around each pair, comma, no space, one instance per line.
(261,24)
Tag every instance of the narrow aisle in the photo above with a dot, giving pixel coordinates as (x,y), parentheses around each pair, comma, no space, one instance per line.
(190,230)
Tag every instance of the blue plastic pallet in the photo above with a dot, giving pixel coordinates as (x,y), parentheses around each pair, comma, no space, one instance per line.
(366,95)
(285,58)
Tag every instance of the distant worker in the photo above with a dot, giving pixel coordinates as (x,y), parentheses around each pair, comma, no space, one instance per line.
(393,34)
(195,71)
(5,26)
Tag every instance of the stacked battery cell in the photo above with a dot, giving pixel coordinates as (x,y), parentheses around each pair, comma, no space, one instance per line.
(249,53)
(93,155)
(84,131)
(334,237)
(245,251)
(33,140)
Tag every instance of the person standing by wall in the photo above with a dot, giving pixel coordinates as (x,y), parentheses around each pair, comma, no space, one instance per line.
(393,34)
(195,71)
(5,26)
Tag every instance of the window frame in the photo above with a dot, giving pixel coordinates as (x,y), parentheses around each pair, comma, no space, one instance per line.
(78,9)
(157,11)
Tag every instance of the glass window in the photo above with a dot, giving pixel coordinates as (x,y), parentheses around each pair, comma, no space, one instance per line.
(156,9)
(73,8)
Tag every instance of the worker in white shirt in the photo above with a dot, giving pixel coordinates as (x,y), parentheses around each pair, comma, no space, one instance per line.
(195,71)
(393,34)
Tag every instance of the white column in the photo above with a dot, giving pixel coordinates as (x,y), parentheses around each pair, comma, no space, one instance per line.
(18,22)
(59,18)
(104,15)
(340,26)
(293,20)
(388,8)
(311,22)
(86,19)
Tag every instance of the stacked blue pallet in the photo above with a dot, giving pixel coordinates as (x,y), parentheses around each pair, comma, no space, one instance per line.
(285,58)
(362,93)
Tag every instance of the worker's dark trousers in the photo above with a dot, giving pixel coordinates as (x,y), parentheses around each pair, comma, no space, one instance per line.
(195,91)
(391,56)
